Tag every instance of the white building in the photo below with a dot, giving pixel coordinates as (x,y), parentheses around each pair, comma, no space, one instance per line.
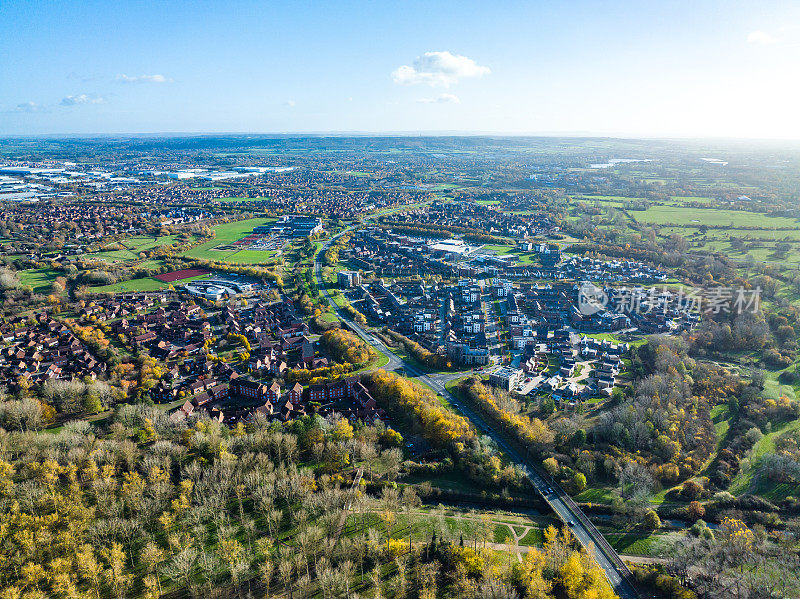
(506,378)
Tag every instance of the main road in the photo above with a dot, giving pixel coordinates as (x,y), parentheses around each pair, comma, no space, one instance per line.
(561,503)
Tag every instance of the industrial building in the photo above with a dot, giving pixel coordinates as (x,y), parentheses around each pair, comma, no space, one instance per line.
(293,225)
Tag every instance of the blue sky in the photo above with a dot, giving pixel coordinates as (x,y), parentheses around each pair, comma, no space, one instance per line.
(682,69)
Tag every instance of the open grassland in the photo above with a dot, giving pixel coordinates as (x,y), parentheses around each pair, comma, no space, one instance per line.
(711,216)
(39,279)
(766,252)
(774,389)
(151,264)
(522,257)
(638,543)
(132,247)
(250,257)
(685,199)
(748,480)
(226,234)
(760,245)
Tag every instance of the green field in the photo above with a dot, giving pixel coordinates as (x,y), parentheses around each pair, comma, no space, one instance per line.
(612,338)
(144,284)
(773,388)
(745,480)
(684,199)
(226,234)
(150,264)
(711,216)
(250,257)
(523,257)
(132,247)
(637,543)
(499,249)
(39,279)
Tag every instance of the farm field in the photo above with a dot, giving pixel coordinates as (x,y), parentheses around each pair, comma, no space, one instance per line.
(225,234)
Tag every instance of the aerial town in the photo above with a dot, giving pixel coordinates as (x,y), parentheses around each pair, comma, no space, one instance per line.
(399,300)
(504,366)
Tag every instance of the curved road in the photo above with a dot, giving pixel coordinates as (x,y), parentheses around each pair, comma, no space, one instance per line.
(617,573)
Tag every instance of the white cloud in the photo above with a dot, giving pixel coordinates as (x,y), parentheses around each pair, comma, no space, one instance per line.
(441,99)
(441,69)
(81,99)
(291,103)
(143,79)
(29,107)
(761,37)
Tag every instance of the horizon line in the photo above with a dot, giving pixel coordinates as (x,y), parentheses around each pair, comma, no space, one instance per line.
(400,133)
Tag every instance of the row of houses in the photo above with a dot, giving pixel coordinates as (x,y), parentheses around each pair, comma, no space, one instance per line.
(472,215)
(244,398)
(42,349)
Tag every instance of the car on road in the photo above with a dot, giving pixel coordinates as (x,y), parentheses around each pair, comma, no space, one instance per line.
(570,523)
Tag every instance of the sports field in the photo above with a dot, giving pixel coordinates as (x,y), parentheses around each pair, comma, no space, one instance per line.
(179,275)
(226,234)
(143,284)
